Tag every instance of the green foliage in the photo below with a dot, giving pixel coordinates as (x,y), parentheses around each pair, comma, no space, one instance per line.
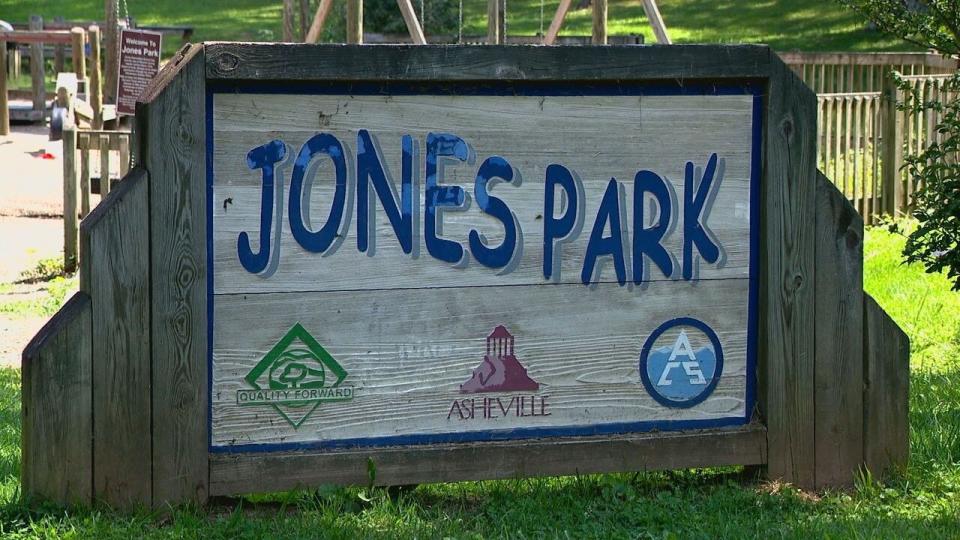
(783,24)
(936,170)
(933,24)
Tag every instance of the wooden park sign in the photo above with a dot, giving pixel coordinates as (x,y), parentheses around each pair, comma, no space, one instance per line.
(344,264)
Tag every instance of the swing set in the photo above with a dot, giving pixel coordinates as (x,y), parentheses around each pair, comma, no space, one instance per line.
(496,21)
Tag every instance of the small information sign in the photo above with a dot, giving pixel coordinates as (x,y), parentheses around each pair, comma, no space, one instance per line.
(139,63)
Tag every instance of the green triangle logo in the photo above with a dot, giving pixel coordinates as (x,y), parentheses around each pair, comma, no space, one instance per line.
(295,377)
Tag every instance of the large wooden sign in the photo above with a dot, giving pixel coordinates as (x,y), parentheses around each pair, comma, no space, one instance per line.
(398,265)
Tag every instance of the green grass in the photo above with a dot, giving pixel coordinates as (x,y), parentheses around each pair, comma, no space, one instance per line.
(55,286)
(921,502)
(820,25)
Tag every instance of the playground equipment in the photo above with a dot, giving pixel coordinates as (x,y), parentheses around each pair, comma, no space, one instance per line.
(79,94)
(496,22)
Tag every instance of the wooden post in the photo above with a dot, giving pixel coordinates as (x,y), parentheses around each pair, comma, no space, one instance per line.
(79,60)
(4,107)
(70,224)
(58,51)
(656,21)
(105,184)
(318,20)
(95,88)
(288,21)
(36,69)
(892,189)
(557,22)
(111,51)
(83,146)
(413,25)
(599,22)
(304,6)
(493,23)
(838,387)
(886,367)
(57,451)
(355,21)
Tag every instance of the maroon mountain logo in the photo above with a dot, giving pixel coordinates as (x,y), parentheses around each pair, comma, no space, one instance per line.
(500,370)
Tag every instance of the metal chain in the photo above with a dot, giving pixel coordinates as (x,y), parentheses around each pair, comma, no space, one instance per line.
(423,20)
(460,25)
(503,38)
(126,12)
(541,18)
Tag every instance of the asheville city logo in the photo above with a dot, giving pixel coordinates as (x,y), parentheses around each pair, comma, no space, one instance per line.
(500,371)
(681,363)
(295,377)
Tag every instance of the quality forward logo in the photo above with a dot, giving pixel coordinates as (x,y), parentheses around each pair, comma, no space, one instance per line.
(295,377)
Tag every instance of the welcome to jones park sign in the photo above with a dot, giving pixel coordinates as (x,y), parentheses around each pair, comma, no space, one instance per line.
(401,265)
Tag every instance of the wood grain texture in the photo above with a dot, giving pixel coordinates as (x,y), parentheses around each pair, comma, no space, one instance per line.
(174,155)
(788,276)
(599,30)
(4,104)
(37,78)
(406,354)
(115,240)
(886,441)
(57,416)
(286,62)
(839,347)
(70,179)
(232,474)
(596,137)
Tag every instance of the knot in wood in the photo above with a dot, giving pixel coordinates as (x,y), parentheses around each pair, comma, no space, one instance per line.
(787,127)
(227,62)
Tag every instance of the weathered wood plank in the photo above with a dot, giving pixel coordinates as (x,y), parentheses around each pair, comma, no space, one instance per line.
(407,353)
(36,68)
(115,274)
(232,474)
(355,21)
(290,62)
(174,153)
(599,31)
(70,223)
(56,451)
(870,59)
(625,134)
(886,441)
(788,276)
(839,348)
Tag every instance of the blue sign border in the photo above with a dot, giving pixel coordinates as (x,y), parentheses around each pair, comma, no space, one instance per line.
(501,88)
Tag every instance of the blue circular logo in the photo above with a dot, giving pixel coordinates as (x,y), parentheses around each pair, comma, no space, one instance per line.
(681,363)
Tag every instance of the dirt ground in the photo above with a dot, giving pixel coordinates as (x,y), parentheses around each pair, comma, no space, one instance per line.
(31,226)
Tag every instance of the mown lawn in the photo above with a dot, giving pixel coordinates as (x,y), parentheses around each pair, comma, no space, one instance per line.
(921,502)
(812,25)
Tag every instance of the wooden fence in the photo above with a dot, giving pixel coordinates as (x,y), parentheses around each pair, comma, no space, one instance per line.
(829,73)
(853,130)
(78,182)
